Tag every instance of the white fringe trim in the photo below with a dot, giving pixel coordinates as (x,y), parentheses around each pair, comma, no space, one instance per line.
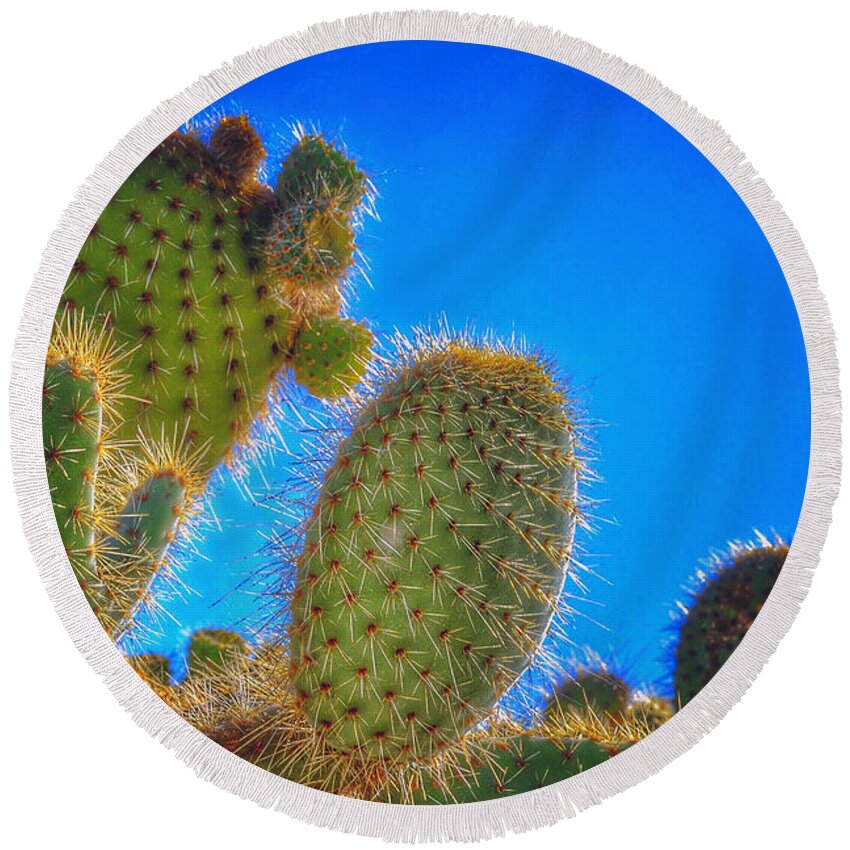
(473,821)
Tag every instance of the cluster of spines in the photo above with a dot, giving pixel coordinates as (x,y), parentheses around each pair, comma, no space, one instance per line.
(724,603)
(311,245)
(134,552)
(82,387)
(436,552)
(246,704)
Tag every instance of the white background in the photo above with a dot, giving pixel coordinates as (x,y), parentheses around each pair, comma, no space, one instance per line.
(76,77)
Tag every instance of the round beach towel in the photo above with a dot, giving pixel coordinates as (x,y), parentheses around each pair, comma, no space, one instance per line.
(423,424)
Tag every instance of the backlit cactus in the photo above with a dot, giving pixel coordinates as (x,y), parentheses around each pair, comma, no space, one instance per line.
(647,712)
(181,270)
(155,671)
(722,609)
(176,264)
(316,172)
(82,383)
(437,549)
(141,533)
(71,422)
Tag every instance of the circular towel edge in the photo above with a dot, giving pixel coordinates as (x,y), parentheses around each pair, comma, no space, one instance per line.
(473,821)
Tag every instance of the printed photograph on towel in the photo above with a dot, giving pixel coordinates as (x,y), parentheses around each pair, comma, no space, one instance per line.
(426,422)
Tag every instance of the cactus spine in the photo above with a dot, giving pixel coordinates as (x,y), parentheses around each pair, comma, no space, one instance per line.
(437,550)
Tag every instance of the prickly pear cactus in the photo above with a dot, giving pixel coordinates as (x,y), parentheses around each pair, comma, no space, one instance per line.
(135,551)
(316,172)
(722,610)
(184,268)
(71,424)
(437,550)
(249,709)
(174,265)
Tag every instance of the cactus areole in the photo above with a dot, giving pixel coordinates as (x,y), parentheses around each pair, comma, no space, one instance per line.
(436,551)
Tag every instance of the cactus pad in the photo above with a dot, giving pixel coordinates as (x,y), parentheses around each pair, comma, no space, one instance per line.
(512,765)
(310,248)
(71,426)
(331,355)
(130,559)
(721,612)
(599,691)
(315,170)
(436,552)
(211,649)
(174,265)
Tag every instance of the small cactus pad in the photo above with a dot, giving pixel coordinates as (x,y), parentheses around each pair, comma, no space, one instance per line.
(237,152)
(315,170)
(71,423)
(721,612)
(331,355)
(153,668)
(311,248)
(436,552)
(132,557)
(648,713)
(598,691)
(512,765)
(211,649)
(174,266)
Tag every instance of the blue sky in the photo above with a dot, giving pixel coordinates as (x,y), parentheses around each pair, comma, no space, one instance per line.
(524,196)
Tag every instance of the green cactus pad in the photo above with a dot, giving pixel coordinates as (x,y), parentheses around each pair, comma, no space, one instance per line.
(144,529)
(311,248)
(211,649)
(511,766)
(331,355)
(599,691)
(436,552)
(318,170)
(174,265)
(71,423)
(722,611)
